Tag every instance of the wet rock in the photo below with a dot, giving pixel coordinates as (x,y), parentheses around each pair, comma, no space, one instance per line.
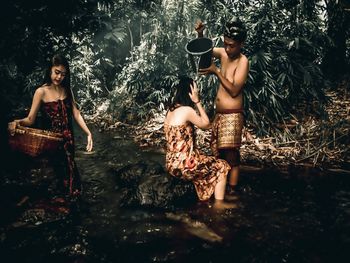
(133,173)
(148,184)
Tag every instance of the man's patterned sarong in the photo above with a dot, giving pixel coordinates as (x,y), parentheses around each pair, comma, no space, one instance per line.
(227,130)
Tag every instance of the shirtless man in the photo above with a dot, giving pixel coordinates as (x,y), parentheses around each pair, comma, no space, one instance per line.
(228,123)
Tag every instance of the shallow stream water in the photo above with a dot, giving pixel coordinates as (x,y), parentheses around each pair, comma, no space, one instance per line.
(296,216)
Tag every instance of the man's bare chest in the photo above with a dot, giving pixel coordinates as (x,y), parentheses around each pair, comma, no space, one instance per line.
(228,69)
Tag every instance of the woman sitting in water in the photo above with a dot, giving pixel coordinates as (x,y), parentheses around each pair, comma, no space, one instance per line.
(183,160)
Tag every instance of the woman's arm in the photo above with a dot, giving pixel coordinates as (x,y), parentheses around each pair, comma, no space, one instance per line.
(30,119)
(79,119)
(201,120)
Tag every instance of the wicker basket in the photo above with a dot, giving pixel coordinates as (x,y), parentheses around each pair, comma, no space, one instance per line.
(34,142)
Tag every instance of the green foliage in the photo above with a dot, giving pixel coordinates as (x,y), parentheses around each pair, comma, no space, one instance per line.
(35,31)
(151,71)
(32,31)
(285,51)
(285,46)
(336,62)
(132,51)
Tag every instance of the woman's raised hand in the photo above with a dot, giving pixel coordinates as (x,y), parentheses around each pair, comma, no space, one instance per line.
(194,93)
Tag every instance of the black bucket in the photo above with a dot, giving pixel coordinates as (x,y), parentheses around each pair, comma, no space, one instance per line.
(203,49)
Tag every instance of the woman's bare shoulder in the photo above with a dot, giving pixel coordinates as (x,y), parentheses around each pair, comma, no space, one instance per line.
(41,90)
(182,109)
(187,109)
(179,116)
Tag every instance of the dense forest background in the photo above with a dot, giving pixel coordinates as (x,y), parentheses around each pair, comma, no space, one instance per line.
(126,55)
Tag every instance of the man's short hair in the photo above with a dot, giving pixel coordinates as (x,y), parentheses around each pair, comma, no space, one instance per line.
(235,30)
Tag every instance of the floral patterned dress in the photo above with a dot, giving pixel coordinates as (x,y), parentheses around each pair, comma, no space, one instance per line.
(184,161)
(57,117)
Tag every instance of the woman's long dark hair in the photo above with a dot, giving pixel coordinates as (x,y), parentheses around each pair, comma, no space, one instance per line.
(59,60)
(181,96)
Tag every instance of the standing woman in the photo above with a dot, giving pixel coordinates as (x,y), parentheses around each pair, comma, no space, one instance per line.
(56,102)
(183,159)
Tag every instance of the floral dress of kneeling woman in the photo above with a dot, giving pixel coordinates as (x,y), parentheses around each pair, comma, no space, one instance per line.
(183,159)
